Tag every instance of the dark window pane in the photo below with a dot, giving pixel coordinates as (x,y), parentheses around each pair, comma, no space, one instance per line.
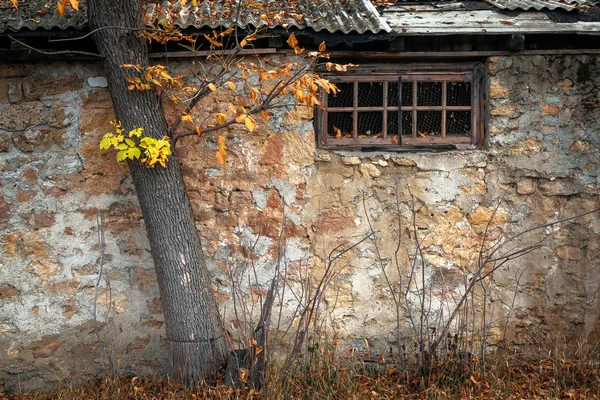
(407,94)
(407,119)
(458,123)
(458,93)
(339,124)
(370,123)
(429,123)
(429,93)
(344,98)
(392,123)
(370,94)
(392,94)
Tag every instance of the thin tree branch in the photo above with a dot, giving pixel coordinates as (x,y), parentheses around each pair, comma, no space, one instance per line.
(54,53)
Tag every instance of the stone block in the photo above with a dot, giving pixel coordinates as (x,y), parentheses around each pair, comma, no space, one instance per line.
(558,187)
(482,215)
(550,109)
(351,161)
(298,150)
(21,116)
(497,90)
(579,146)
(96,98)
(497,64)
(404,162)
(568,253)
(8,291)
(369,170)
(273,153)
(505,110)
(525,186)
(43,219)
(4,143)
(335,220)
(298,115)
(45,347)
(43,86)
(38,139)
(60,117)
(527,146)
(3,91)
(15,91)
(16,70)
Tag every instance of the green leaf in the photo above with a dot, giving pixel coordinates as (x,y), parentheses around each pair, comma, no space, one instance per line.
(121,155)
(134,152)
(122,146)
(105,143)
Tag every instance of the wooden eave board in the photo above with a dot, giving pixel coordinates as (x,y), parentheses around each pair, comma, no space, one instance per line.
(456,22)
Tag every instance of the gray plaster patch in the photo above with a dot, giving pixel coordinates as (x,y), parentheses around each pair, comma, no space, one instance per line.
(260,198)
(285,189)
(97,81)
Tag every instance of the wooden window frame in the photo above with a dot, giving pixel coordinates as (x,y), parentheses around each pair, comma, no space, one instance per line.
(463,72)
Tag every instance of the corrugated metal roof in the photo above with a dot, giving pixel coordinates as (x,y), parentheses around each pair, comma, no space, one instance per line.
(38,14)
(533,4)
(331,15)
(428,20)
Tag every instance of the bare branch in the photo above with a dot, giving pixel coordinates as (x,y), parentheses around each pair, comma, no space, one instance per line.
(54,53)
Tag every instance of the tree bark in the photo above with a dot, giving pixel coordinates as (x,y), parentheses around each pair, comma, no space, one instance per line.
(194,332)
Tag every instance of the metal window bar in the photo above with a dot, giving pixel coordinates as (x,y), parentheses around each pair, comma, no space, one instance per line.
(414,109)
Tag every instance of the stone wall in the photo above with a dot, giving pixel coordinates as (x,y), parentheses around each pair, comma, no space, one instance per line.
(279,195)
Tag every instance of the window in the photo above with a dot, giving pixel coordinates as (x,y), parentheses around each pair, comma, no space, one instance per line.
(410,106)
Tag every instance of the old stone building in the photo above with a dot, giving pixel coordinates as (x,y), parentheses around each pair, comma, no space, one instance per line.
(465,122)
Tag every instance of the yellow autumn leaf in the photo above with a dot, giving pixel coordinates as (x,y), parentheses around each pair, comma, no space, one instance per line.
(240,118)
(212,86)
(250,123)
(60,8)
(74,4)
(220,118)
(292,41)
(197,129)
(14,3)
(187,117)
(231,85)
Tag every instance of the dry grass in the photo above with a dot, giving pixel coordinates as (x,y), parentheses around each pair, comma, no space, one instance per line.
(543,379)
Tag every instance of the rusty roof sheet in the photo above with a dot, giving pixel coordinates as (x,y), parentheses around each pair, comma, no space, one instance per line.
(330,15)
(39,14)
(534,4)
(321,15)
(430,20)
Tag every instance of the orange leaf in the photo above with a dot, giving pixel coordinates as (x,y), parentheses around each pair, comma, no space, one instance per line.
(395,140)
(322,47)
(231,85)
(220,158)
(60,8)
(74,4)
(240,118)
(14,3)
(265,115)
(292,41)
(198,130)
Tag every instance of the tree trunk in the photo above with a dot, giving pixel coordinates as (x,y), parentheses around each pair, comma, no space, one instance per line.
(196,343)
